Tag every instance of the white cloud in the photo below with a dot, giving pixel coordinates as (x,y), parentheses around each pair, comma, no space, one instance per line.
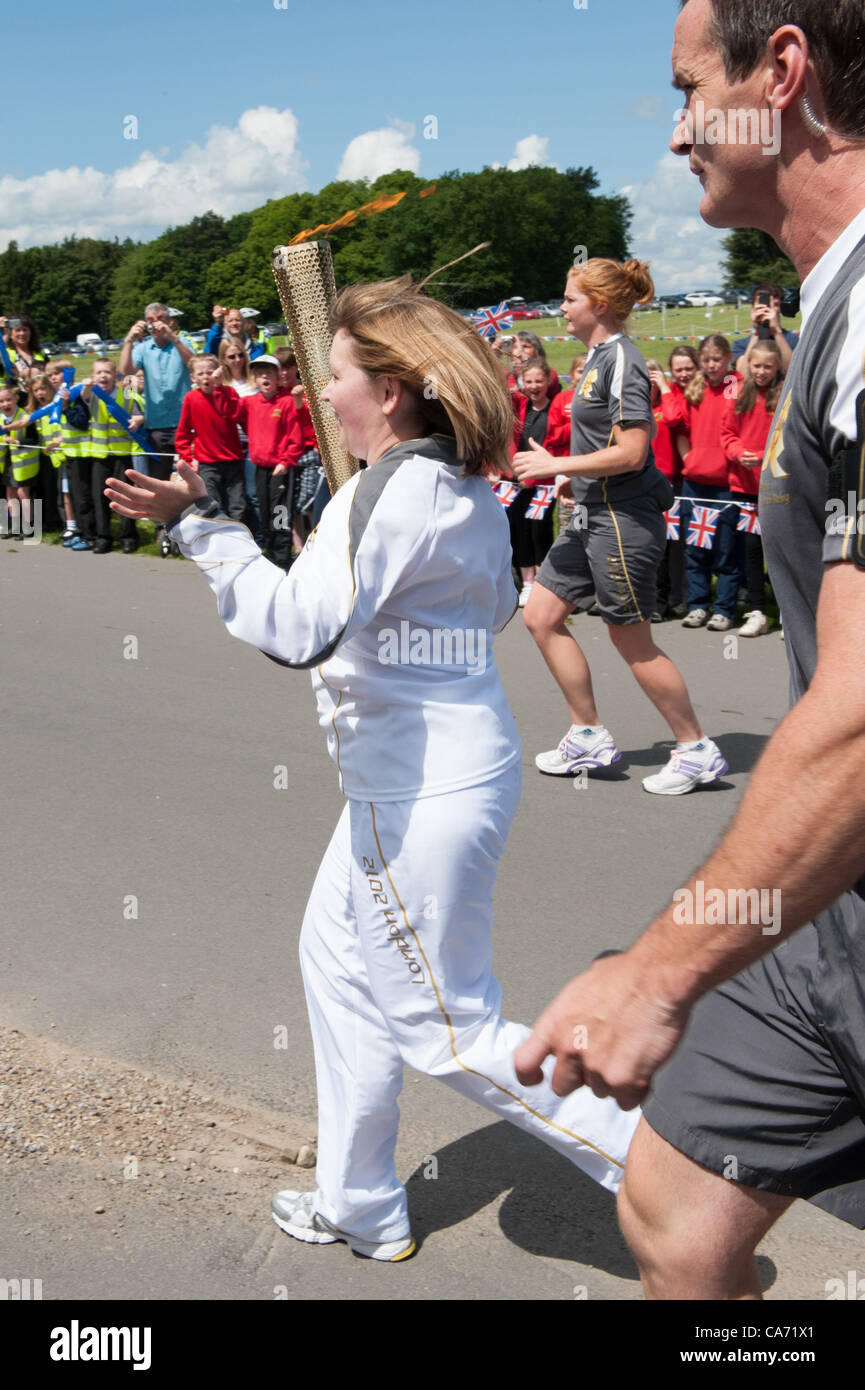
(234,170)
(530,150)
(378,152)
(667,229)
(649,108)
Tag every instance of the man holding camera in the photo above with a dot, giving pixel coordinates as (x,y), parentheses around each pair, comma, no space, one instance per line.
(154,346)
(766,325)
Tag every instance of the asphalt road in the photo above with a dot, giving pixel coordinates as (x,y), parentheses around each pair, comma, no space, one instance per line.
(154,880)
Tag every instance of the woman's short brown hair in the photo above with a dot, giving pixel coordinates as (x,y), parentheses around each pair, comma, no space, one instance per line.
(453,378)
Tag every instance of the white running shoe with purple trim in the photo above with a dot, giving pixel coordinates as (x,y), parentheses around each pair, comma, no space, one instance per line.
(688,768)
(580,747)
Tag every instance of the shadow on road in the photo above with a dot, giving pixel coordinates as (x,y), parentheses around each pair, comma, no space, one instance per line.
(551,1209)
(740,749)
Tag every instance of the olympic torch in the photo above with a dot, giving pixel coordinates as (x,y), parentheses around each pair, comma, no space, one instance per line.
(304,279)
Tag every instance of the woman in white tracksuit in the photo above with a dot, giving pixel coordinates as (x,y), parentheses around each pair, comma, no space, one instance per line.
(393,605)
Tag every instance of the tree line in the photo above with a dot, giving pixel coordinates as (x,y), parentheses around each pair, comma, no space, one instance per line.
(537,219)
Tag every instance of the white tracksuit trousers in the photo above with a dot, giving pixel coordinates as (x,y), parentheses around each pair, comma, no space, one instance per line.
(396,955)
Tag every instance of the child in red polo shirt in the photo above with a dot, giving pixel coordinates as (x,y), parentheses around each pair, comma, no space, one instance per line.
(745,432)
(208,440)
(699,413)
(271,422)
(310,486)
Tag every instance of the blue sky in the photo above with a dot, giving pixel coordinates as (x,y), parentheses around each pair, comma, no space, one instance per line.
(229,102)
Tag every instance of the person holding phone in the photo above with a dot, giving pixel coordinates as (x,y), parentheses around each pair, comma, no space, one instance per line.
(765,327)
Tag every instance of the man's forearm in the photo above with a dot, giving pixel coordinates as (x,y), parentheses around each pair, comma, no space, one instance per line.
(185,355)
(784,349)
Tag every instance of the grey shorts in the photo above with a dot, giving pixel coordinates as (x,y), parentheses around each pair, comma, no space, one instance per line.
(768,1085)
(609,553)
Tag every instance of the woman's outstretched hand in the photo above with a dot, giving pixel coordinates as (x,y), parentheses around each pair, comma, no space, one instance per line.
(142,497)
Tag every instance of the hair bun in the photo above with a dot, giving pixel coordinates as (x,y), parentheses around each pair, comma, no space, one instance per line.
(638,274)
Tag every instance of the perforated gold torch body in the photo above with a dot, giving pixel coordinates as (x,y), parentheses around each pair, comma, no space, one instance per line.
(306,285)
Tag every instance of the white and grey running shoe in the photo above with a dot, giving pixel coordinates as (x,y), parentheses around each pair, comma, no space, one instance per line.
(579,748)
(754,624)
(688,768)
(295,1213)
(698,617)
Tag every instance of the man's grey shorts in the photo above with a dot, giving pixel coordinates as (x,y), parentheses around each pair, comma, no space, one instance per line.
(609,553)
(767,1087)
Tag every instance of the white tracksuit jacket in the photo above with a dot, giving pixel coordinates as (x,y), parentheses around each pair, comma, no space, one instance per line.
(393,604)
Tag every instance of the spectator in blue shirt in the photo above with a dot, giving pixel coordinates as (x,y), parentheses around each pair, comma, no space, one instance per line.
(153,346)
(233,323)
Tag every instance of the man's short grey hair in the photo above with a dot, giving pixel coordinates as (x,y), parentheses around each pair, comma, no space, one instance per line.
(835,30)
(157,308)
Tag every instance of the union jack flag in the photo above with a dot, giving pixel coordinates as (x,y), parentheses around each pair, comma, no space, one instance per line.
(489,322)
(505,491)
(702,526)
(673,519)
(749,520)
(540,503)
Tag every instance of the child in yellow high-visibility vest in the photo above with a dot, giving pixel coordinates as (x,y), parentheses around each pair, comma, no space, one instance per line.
(110,449)
(76,444)
(50,434)
(20,465)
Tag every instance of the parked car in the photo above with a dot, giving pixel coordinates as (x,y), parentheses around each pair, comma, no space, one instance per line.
(673,301)
(702,299)
(526,313)
(555,310)
(653,306)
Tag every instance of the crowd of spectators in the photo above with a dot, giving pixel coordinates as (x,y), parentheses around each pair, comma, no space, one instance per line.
(712,406)
(177,404)
(713,409)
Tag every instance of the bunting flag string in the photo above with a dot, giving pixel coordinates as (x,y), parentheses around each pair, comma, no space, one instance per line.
(505,491)
(541,501)
(702,527)
(749,521)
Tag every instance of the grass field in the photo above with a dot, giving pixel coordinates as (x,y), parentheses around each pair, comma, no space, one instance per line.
(649,329)
(653,333)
